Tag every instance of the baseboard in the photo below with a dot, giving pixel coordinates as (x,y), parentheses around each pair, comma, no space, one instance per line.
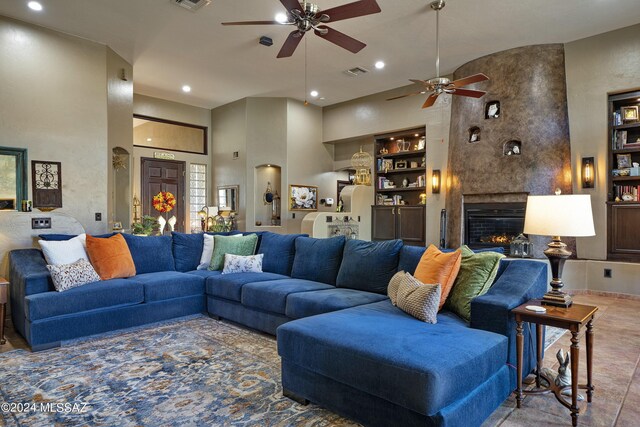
(604,294)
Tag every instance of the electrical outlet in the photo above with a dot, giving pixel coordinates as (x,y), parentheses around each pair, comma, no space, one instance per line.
(98,216)
(607,273)
(40,223)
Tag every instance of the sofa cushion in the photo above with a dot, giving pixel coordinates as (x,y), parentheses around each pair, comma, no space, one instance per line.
(318,260)
(111,257)
(110,293)
(369,266)
(205,273)
(169,284)
(229,286)
(244,245)
(272,295)
(151,253)
(279,251)
(378,349)
(187,250)
(410,257)
(305,304)
(59,237)
(476,275)
(438,267)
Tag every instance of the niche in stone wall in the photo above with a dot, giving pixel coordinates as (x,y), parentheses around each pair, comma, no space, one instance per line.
(268,192)
(512,148)
(474,134)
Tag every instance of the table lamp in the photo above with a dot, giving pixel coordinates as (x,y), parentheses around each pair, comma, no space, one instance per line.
(555,216)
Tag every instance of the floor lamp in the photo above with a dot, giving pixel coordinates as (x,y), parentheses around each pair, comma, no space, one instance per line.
(555,216)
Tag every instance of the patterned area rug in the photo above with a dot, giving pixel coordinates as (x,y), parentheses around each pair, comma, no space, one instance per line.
(195,372)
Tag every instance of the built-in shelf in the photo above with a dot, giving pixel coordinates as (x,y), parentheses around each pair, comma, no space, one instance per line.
(625,178)
(394,171)
(394,190)
(627,150)
(623,203)
(627,126)
(410,153)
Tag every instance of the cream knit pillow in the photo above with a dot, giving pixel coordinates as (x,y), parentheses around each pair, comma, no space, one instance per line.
(418,299)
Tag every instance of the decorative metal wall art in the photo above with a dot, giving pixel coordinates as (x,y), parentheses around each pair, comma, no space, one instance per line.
(46,185)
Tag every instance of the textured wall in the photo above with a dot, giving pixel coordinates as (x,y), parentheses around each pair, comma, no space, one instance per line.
(530,84)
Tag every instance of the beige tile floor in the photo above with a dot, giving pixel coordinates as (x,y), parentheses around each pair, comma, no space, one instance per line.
(616,400)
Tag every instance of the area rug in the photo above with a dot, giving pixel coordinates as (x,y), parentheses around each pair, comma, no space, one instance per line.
(195,372)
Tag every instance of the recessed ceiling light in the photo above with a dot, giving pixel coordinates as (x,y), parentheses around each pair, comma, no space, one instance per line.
(380,65)
(149,139)
(417,135)
(392,138)
(314,93)
(186,88)
(322,98)
(34,5)
(282,18)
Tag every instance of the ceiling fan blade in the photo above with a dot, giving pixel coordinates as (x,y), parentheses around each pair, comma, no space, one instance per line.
(404,96)
(254,23)
(340,39)
(352,10)
(291,5)
(469,80)
(430,100)
(469,92)
(290,44)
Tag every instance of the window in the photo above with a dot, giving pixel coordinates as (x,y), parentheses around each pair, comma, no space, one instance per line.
(197,194)
(13,177)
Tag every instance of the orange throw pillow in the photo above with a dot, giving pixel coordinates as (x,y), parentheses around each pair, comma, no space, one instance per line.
(110,257)
(439,267)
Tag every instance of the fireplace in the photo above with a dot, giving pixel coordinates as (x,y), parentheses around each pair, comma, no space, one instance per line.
(492,224)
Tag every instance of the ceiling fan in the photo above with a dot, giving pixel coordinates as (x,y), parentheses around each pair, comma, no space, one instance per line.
(440,85)
(308,16)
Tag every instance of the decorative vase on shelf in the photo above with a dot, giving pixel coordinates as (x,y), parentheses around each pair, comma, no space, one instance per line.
(162,222)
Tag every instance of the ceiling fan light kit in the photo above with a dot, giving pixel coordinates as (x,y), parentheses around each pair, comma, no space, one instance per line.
(439,85)
(308,16)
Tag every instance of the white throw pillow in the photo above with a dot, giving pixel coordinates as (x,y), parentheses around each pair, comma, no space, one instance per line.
(242,264)
(72,275)
(64,251)
(207,251)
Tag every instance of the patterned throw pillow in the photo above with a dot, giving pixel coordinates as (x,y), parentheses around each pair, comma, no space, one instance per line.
(242,264)
(394,284)
(67,276)
(418,299)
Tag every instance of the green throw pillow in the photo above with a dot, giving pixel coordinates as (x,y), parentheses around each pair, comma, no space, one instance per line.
(477,273)
(245,246)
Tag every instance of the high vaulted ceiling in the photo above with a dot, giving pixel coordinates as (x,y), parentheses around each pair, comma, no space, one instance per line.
(170,46)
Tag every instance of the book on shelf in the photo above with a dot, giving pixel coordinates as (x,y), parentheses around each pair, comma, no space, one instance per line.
(617,118)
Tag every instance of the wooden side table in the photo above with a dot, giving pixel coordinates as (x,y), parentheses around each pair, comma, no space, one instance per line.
(3,305)
(571,318)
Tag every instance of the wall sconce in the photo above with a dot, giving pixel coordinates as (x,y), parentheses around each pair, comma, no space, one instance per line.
(588,172)
(435,181)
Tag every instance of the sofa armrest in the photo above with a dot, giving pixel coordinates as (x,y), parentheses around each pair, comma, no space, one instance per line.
(519,281)
(28,272)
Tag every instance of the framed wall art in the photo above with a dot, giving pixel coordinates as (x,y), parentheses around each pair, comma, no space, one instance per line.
(303,198)
(46,184)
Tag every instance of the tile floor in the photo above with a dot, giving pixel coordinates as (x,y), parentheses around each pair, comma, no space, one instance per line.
(616,400)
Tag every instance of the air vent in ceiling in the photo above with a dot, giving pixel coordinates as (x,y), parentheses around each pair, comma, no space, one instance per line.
(192,5)
(356,71)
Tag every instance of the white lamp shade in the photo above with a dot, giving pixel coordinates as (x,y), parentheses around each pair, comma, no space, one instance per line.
(562,215)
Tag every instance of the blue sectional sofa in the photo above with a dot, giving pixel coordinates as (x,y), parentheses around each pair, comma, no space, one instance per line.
(343,345)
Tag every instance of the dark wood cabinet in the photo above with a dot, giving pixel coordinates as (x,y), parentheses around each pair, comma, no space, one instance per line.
(400,187)
(623,183)
(399,222)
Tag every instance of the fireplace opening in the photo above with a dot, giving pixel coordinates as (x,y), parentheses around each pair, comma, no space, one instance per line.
(492,224)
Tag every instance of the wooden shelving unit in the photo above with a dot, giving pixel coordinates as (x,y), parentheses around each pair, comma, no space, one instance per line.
(623,216)
(399,180)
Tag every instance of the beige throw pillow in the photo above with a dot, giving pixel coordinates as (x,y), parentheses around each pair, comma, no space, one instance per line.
(418,299)
(394,283)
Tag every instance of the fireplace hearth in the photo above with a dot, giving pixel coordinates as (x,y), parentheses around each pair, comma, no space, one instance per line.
(492,224)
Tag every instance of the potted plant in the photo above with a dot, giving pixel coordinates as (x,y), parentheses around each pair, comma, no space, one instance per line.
(146,227)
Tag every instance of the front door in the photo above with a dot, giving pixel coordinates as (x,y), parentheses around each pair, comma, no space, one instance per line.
(163,175)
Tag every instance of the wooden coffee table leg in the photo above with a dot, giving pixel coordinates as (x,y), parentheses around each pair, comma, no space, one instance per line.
(589,335)
(539,332)
(575,358)
(2,315)
(519,351)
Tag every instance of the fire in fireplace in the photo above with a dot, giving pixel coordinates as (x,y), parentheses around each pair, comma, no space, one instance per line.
(492,224)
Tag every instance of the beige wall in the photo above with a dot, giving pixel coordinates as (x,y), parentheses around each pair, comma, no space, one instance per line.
(597,66)
(352,124)
(162,109)
(53,101)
